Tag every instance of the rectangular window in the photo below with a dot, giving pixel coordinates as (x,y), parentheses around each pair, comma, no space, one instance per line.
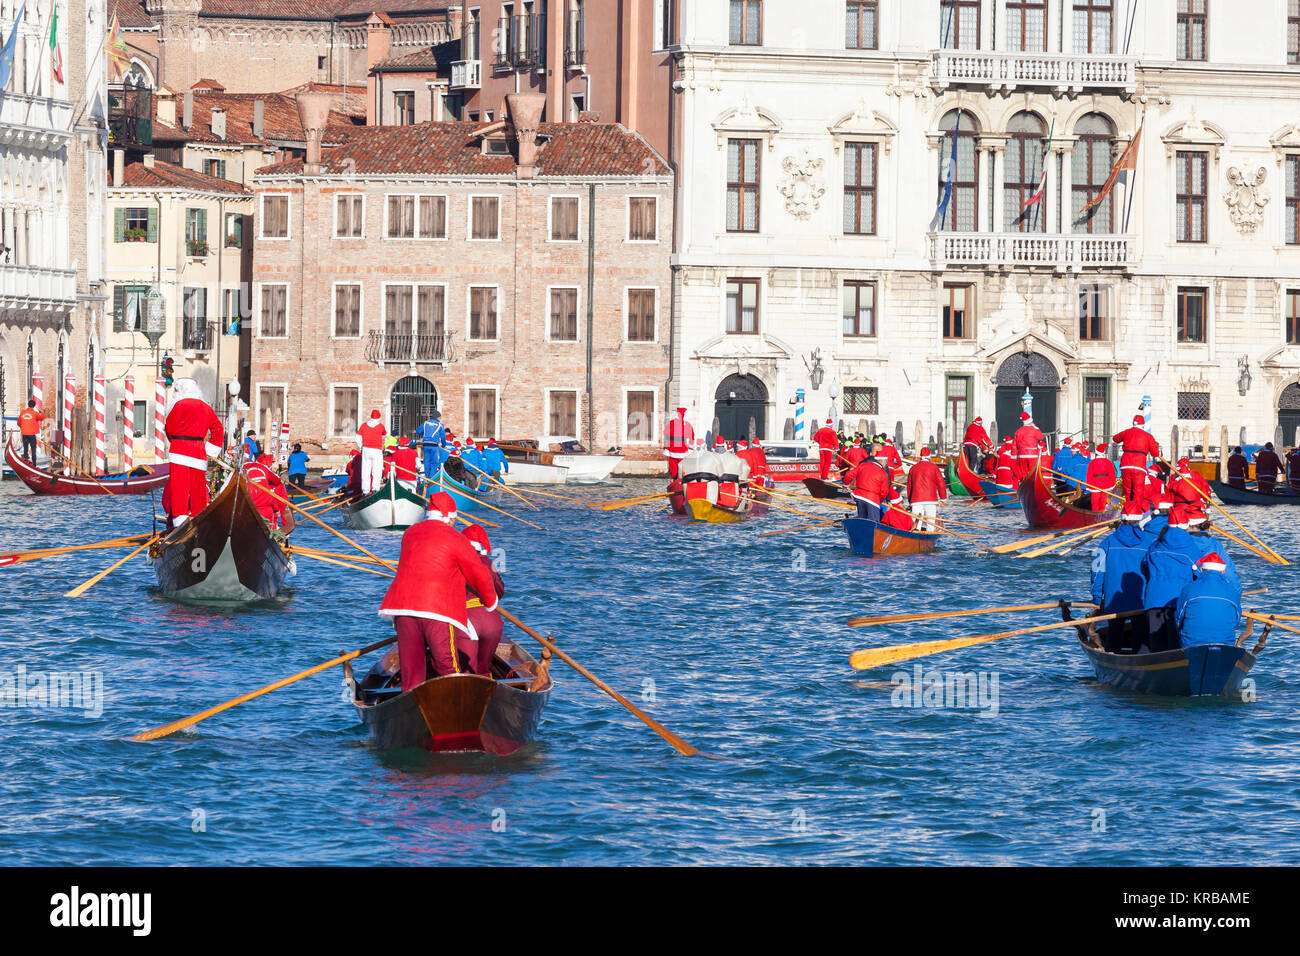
(215,167)
(564,219)
(860,189)
(270,407)
(562,413)
(746,22)
(641,315)
(959,24)
(1191,29)
(433,217)
(1194,406)
(404,107)
(196,232)
(564,315)
(742,305)
(482,313)
(401,217)
(129,306)
(1293,316)
(485,217)
(398,318)
(642,219)
(861,400)
(859,308)
(275,312)
(275,217)
(194,314)
(234,310)
(1191,180)
(136,224)
(346,403)
(742,185)
(1027,25)
(483,413)
(234,232)
(1293,31)
(347,311)
(1094,325)
(1096,409)
(349,217)
(640,426)
(1293,198)
(1191,314)
(957,400)
(860,24)
(1094,22)
(957,311)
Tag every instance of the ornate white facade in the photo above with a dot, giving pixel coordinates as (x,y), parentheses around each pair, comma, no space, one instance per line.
(1184,285)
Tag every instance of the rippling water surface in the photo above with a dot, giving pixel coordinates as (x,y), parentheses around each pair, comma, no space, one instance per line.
(737,642)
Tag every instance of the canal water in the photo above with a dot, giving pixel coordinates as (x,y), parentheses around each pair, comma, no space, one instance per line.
(737,642)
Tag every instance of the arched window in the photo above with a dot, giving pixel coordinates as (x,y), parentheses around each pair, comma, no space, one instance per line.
(1023,172)
(1089,168)
(962,215)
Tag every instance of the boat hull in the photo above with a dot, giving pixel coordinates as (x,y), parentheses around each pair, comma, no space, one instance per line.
(793,469)
(701,509)
(1000,497)
(391,508)
(46,483)
(587,469)
(955,486)
(531,473)
(466,498)
(1044,510)
(968,479)
(821,488)
(872,539)
(1244,496)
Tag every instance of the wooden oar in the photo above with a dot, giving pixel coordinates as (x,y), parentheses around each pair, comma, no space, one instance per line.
(167,729)
(841,504)
(803,527)
(82,588)
(303,491)
(1276,558)
(548,494)
(484,504)
(1274,619)
(1078,543)
(32,554)
(880,656)
(501,485)
(942,615)
(678,744)
(1082,484)
(50,448)
(629,502)
(1030,542)
(1082,535)
(342,564)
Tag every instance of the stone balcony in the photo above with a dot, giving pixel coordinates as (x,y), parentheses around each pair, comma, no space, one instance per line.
(37,289)
(35,122)
(466,74)
(1027,250)
(1059,73)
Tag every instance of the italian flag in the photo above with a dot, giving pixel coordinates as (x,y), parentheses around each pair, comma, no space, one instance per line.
(56,59)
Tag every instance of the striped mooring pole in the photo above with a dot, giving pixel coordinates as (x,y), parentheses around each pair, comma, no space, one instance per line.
(800,406)
(69,408)
(159,421)
(100,425)
(128,423)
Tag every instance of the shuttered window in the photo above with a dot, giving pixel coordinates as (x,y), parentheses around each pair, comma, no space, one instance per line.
(564,315)
(401,217)
(562,417)
(640,423)
(431,307)
(482,313)
(642,219)
(274,316)
(349,219)
(135,224)
(433,217)
(129,307)
(483,413)
(641,315)
(485,217)
(346,401)
(397,310)
(270,407)
(564,219)
(275,217)
(347,311)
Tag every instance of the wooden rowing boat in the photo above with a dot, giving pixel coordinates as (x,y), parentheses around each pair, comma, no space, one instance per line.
(969,479)
(872,539)
(225,554)
(460,712)
(392,507)
(1195,671)
(955,486)
(138,481)
(1245,496)
(1000,496)
(821,488)
(702,509)
(467,489)
(1043,508)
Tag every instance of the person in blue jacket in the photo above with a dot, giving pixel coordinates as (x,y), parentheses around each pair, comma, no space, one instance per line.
(1166,570)
(473,459)
(432,438)
(252,450)
(1078,465)
(1062,462)
(1209,606)
(1117,580)
(298,466)
(494,460)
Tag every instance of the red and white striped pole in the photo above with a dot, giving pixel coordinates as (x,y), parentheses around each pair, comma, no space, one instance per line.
(159,421)
(100,426)
(128,424)
(38,391)
(69,410)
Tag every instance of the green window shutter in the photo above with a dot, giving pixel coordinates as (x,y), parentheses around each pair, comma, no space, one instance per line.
(119,305)
(153,224)
(203,225)
(119,225)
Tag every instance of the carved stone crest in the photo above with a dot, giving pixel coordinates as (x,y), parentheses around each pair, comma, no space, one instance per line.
(802,185)
(1246,197)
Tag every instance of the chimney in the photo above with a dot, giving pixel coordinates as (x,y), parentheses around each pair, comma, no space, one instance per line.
(379,39)
(119,166)
(218,122)
(525,111)
(313,112)
(437,99)
(148,160)
(167,110)
(259,117)
(187,118)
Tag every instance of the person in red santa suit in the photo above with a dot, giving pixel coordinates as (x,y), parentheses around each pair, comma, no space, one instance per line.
(1100,477)
(896,515)
(194,435)
(486,624)
(893,460)
(407,464)
(1004,474)
(827,442)
(370,437)
(1136,443)
(976,443)
(1187,488)
(678,436)
(353,486)
(925,489)
(1028,445)
(869,485)
(852,455)
(1154,488)
(266,489)
(426,599)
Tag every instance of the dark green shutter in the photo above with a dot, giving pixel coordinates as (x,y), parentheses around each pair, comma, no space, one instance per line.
(119,306)
(119,225)
(153,225)
(203,225)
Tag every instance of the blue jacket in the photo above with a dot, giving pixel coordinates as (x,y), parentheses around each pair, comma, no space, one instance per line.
(1154,525)
(1167,567)
(1205,545)
(251,449)
(1208,610)
(473,459)
(1117,570)
(432,432)
(1061,461)
(494,460)
(298,463)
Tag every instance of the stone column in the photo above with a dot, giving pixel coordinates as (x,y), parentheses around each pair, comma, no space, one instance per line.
(996,162)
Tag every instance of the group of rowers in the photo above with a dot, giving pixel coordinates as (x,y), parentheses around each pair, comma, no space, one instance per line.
(1268,465)
(723,475)
(379,455)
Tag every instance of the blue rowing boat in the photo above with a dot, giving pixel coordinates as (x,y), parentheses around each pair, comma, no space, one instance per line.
(468,491)
(873,540)
(999,496)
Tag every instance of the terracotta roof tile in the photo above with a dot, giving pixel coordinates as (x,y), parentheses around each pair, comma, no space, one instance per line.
(131,14)
(280,121)
(273,9)
(363,8)
(435,59)
(169,176)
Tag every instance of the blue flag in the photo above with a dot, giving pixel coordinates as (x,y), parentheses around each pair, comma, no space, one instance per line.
(7,51)
(942,212)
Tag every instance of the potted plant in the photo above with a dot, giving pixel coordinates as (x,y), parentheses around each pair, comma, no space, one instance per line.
(136,235)
(196,247)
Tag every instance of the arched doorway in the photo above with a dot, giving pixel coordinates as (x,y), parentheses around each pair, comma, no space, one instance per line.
(1288,414)
(1017,373)
(410,402)
(738,400)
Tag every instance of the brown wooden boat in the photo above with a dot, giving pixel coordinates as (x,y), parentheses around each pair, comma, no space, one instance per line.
(821,488)
(139,481)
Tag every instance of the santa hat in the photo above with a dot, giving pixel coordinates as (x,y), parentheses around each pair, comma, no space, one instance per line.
(888,440)
(402,442)
(978,421)
(830,421)
(925,452)
(1100,450)
(1139,420)
(681,413)
(375,413)
(1026,417)
(895,497)
(754,443)
(1082,448)
(742,443)
(1133,511)
(1164,502)
(492,442)
(1068,442)
(477,538)
(1212,562)
(354,452)
(442,507)
(1184,466)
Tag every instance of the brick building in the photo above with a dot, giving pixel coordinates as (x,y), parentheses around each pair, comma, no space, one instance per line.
(514,275)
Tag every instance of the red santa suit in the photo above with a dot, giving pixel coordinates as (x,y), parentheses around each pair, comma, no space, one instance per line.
(869,485)
(757,459)
(1027,446)
(1136,443)
(895,516)
(1005,473)
(486,624)
(1185,488)
(852,456)
(1153,490)
(194,435)
(679,436)
(266,489)
(427,597)
(407,465)
(975,441)
(1100,478)
(925,489)
(827,442)
(370,436)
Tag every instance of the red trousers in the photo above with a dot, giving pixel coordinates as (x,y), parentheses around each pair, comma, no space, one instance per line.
(827,456)
(1135,484)
(186,491)
(453,652)
(487,625)
(674,465)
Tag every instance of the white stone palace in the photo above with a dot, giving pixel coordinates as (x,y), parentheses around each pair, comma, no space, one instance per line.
(813,140)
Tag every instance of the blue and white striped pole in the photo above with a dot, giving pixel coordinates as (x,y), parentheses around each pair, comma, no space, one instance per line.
(1145,411)
(799,407)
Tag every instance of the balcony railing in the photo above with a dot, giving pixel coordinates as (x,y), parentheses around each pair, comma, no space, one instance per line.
(521,43)
(467,74)
(412,348)
(40,121)
(1062,253)
(575,41)
(34,287)
(197,335)
(1060,72)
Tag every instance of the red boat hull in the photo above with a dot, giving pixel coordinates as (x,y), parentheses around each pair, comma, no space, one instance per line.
(45,483)
(969,479)
(1044,510)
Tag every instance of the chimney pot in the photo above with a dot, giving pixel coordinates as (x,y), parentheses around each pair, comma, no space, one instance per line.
(313,113)
(148,160)
(525,111)
(119,166)
(218,123)
(259,117)
(187,118)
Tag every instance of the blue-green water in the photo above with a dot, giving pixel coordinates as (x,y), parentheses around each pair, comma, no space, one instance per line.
(735,641)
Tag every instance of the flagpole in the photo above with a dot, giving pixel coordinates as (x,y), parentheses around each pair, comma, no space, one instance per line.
(1132,185)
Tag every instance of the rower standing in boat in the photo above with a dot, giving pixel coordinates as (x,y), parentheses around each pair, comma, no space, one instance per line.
(1267,465)
(925,489)
(1117,580)
(298,466)
(1063,465)
(678,437)
(1238,468)
(432,437)
(495,462)
(30,420)
(1100,477)
(1186,489)
(426,599)
(370,437)
(869,484)
(1029,445)
(1137,444)
(406,465)
(1208,608)
(1004,474)
(194,434)
(976,444)
(352,487)
(827,442)
(487,624)
(267,490)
